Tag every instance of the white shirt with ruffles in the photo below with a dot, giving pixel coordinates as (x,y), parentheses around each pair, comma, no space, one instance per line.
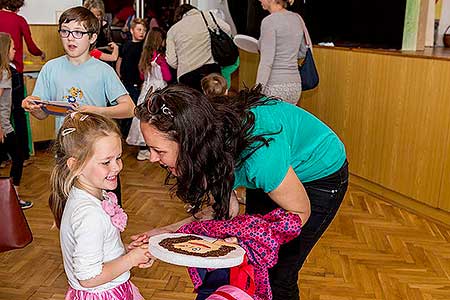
(88,240)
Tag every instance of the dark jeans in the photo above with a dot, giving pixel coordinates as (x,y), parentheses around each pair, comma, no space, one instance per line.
(134,90)
(193,78)
(325,195)
(211,281)
(10,145)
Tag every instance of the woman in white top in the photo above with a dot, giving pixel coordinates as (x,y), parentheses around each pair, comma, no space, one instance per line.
(281,44)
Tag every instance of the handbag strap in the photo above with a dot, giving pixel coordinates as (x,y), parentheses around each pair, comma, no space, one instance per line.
(206,22)
(214,19)
(305,33)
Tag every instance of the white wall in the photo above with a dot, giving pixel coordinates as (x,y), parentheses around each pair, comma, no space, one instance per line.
(221,5)
(46,11)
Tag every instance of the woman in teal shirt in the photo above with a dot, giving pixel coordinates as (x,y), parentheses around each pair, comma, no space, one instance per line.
(283,155)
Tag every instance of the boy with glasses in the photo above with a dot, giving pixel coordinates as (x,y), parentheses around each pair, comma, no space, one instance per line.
(76,77)
(90,84)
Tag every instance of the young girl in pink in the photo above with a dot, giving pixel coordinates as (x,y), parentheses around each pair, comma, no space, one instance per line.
(90,221)
(156,73)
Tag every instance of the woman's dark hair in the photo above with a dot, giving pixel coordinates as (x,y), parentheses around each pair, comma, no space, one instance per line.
(212,134)
(180,11)
(12,5)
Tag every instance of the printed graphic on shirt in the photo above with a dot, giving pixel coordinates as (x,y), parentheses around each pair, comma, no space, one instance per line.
(75,95)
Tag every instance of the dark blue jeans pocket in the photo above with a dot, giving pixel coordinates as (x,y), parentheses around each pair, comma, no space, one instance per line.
(212,280)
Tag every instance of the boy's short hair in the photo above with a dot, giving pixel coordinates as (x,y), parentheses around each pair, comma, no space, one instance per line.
(82,15)
(214,85)
(137,21)
(12,5)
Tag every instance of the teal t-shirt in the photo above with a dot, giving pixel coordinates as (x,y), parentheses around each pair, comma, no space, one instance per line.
(91,83)
(304,142)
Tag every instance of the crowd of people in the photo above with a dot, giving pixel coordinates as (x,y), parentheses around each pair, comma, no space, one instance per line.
(169,97)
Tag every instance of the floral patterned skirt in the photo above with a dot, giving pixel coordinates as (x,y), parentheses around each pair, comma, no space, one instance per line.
(289,92)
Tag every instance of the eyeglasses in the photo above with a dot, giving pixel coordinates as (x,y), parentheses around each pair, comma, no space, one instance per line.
(76,34)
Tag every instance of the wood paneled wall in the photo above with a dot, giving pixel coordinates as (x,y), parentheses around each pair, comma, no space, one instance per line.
(393,114)
(248,68)
(47,39)
(41,130)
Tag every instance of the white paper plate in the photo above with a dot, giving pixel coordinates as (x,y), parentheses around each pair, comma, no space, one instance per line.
(247,43)
(233,258)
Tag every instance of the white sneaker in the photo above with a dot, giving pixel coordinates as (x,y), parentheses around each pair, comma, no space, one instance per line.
(143,155)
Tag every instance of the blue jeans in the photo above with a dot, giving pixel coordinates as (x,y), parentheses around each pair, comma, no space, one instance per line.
(326,195)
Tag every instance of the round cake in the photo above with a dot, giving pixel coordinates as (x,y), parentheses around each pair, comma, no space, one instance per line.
(193,250)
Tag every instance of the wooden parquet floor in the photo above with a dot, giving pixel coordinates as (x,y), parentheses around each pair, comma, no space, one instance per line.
(372,250)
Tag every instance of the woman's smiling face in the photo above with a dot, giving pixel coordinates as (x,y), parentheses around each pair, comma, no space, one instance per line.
(162,149)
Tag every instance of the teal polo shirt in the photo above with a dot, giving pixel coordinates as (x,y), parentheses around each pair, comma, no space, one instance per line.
(298,139)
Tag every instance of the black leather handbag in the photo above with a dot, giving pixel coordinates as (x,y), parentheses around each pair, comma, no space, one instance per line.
(223,49)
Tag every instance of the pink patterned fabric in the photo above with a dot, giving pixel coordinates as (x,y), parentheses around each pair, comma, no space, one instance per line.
(118,216)
(260,236)
(229,292)
(124,291)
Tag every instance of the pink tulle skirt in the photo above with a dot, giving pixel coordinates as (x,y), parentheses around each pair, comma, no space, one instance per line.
(124,291)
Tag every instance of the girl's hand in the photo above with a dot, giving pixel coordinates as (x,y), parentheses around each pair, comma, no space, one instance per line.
(139,256)
(141,239)
(137,241)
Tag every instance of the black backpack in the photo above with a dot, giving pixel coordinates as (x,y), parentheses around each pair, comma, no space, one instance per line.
(223,49)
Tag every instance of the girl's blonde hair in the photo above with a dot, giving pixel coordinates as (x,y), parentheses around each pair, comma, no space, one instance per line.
(75,139)
(5,44)
(285,3)
(153,42)
(95,4)
(214,85)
